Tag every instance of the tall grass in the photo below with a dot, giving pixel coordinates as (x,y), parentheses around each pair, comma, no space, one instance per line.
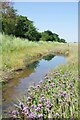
(17,51)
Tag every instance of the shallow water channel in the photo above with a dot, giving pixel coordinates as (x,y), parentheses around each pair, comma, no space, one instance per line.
(34,72)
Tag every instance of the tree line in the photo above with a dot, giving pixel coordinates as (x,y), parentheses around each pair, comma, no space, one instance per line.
(21,26)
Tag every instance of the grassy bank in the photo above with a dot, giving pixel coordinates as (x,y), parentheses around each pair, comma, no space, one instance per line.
(56,96)
(17,53)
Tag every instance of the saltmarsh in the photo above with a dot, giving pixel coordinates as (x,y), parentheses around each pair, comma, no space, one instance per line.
(56,96)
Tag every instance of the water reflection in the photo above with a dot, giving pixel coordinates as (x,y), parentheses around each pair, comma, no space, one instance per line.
(33,65)
(33,73)
(48,57)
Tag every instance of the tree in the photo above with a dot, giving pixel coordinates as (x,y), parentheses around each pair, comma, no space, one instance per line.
(17,25)
(63,40)
(8,17)
(32,34)
(49,36)
(21,26)
(44,36)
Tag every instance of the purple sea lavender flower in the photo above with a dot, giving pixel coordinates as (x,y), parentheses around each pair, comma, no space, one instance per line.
(14,112)
(46,87)
(25,109)
(54,95)
(37,109)
(32,115)
(47,102)
(48,106)
(61,95)
(42,99)
(52,84)
(38,86)
(63,85)
(40,105)
(40,115)
(32,106)
(21,105)
(10,112)
(64,93)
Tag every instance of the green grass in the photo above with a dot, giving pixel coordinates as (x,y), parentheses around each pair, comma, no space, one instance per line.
(17,52)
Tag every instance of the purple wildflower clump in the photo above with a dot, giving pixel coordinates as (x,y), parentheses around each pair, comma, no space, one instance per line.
(32,106)
(54,97)
(46,87)
(40,105)
(38,109)
(38,86)
(47,102)
(63,86)
(48,106)
(64,93)
(42,99)
(32,115)
(52,84)
(40,115)
(14,113)
(25,109)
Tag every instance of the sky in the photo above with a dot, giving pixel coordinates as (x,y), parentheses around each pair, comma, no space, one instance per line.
(59,17)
